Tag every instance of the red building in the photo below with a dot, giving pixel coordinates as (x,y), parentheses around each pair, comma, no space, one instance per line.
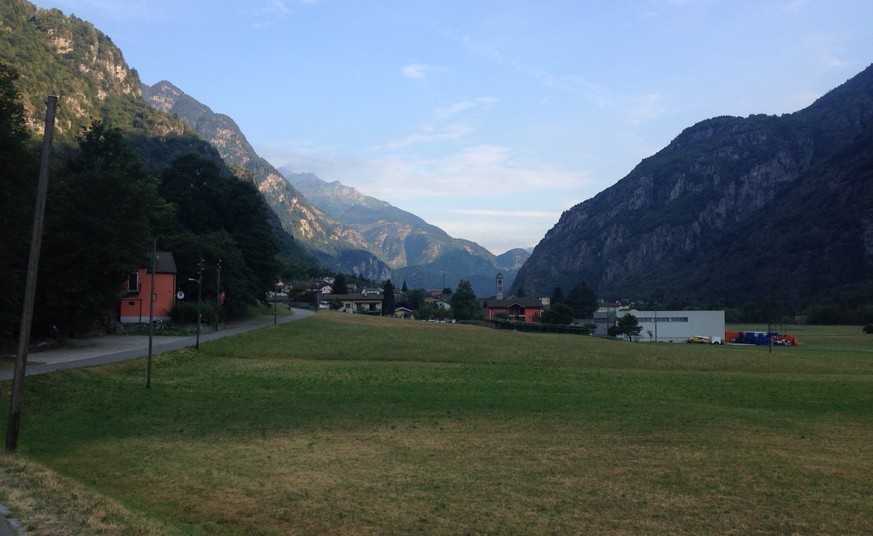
(134,296)
(517,309)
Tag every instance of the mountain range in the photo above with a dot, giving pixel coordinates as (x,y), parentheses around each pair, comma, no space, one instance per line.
(343,228)
(734,211)
(59,54)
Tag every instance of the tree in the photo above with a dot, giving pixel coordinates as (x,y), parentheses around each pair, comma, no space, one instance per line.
(19,167)
(388,298)
(465,304)
(557,296)
(220,217)
(98,229)
(340,284)
(199,192)
(415,299)
(583,300)
(557,313)
(627,326)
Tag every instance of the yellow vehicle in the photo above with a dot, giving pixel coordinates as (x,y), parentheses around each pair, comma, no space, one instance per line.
(700,339)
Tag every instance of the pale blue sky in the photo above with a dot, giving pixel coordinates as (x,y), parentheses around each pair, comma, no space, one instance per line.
(485,118)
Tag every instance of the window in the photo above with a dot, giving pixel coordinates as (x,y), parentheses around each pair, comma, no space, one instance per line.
(133,282)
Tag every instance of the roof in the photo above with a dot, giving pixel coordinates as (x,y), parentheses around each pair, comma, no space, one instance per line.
(354,297)
(528,302)
(166,263)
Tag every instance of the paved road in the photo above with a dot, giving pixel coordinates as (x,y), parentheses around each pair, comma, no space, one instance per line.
(111,348)
(95,351)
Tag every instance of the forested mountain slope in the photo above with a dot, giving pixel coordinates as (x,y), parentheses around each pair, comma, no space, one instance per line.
(727,210)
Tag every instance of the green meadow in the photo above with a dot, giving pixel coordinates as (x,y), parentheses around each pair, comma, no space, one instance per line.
(345,424)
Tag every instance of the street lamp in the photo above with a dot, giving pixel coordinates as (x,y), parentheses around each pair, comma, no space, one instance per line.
(275,298)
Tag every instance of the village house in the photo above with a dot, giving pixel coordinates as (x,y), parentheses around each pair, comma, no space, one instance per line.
(358,303)
(134,305)
(516,308)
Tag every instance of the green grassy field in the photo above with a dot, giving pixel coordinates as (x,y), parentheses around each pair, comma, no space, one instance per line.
(351,424)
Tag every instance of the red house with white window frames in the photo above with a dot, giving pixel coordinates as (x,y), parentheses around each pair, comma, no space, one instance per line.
(134,297)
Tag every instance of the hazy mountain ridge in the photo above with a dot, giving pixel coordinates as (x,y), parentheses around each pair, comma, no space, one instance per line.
(418,252)
(297,216)
(342,226)
(661,232)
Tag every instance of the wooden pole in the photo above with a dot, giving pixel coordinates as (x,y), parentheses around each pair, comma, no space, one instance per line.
(152,312)
(217,294)
(199,300)
(13,425)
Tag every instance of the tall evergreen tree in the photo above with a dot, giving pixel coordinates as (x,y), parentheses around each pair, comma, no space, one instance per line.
(388,304)
(465,304)
(340,284)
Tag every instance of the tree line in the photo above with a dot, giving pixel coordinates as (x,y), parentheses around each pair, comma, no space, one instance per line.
(105,210)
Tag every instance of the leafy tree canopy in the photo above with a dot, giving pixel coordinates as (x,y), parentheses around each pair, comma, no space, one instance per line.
(628,326)
(583,300)
(557,313)
(101,207)
(19,168)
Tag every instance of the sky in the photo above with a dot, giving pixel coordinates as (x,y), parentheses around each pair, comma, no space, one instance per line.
(486,118)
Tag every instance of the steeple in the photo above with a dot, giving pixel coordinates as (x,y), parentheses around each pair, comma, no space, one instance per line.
(499,294)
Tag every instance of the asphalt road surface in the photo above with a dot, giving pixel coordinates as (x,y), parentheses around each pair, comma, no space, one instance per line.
(93,351)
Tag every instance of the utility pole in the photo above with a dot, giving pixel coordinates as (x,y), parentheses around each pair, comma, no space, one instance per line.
(199,300)
(152,297)
(14,423)
(217,294)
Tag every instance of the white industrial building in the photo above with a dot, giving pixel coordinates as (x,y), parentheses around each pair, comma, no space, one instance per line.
(665,326)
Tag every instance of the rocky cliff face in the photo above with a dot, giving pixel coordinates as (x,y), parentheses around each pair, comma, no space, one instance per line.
(325,236)
(297,216)
(709,181)
(68,57)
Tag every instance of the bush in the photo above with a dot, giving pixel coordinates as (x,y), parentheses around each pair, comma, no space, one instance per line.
(186,313)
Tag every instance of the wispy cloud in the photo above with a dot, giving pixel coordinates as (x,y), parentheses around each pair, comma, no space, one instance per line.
(438,129)
(551,216)
(481,171)
(416,71)
(277,6)
(448,133)
(635,108)
(458,107)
